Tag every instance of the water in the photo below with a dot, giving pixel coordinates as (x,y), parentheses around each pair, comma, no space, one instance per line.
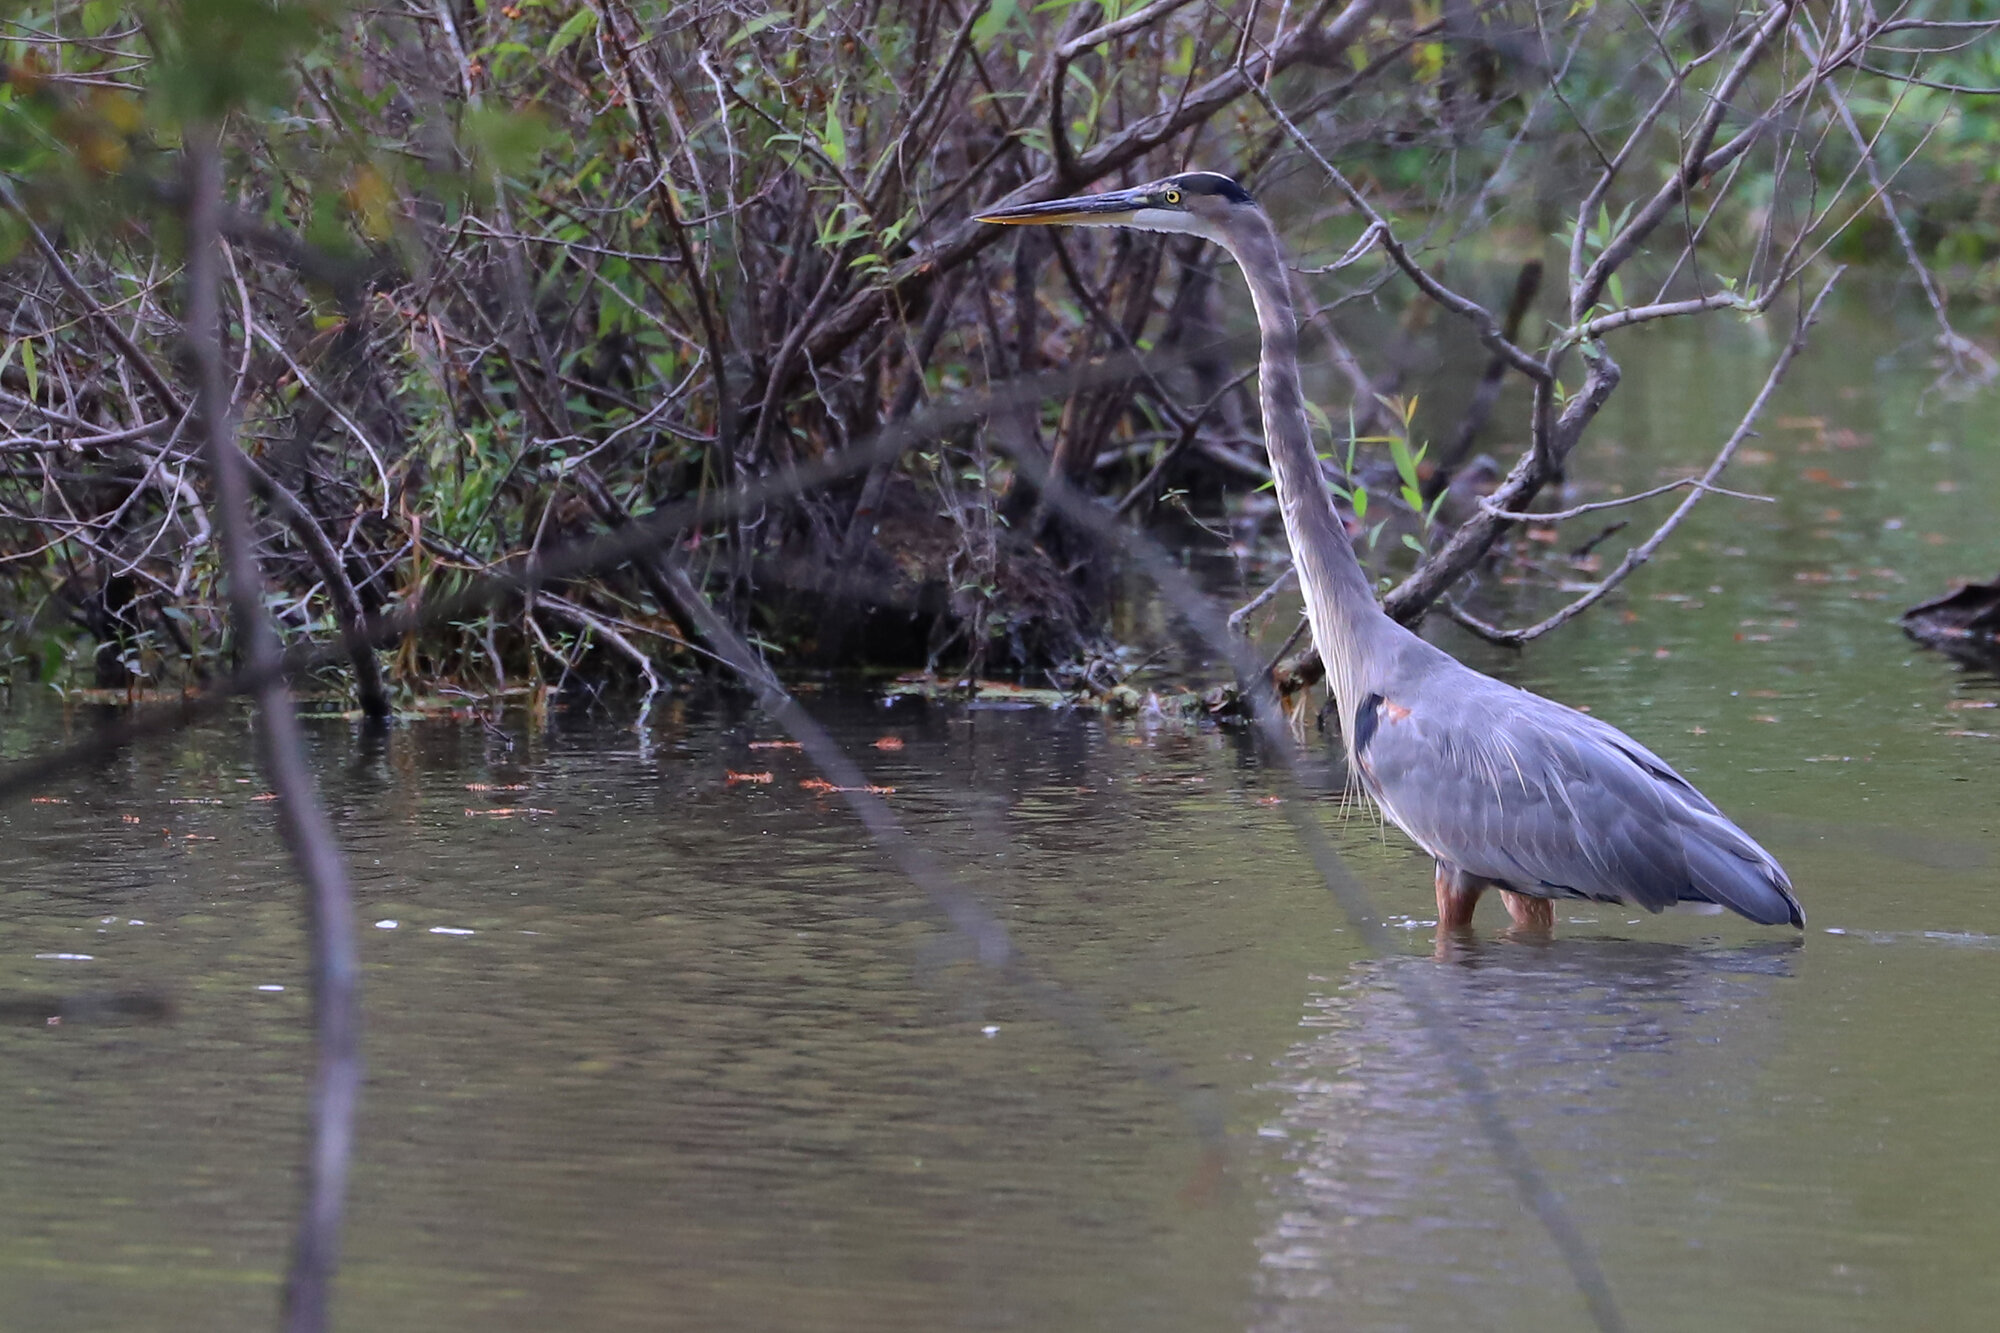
(662,1050)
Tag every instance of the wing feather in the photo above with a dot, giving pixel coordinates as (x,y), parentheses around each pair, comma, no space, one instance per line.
(1515,788)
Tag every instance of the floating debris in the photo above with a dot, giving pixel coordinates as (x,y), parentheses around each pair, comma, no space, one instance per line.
(982,693)
(112,1007)
(1964,623)
(733,777)
(1957,939)
(822,786)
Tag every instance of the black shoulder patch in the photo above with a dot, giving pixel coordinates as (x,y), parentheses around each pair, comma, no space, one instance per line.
(1366,718)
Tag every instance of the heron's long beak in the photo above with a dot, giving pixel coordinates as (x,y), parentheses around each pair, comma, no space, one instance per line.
(1117,206)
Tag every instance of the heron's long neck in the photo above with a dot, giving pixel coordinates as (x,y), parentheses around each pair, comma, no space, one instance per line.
(1347,622)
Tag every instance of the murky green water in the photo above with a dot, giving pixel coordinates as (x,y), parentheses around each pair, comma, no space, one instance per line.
(677,1052)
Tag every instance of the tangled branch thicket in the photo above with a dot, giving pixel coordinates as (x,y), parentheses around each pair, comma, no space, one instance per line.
(505,277)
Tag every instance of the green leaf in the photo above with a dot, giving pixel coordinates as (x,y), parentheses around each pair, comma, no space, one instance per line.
(576,26)
(1319,417)
(833,139)
(214,56)
(755,26)
(1406,465)
(507,141)
(29,369)
(990,24)
(97,16)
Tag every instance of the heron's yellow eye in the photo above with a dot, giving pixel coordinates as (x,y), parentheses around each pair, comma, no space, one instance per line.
(1172,196)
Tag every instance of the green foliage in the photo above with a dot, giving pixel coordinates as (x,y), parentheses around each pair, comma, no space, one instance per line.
(214,57)
(681,247)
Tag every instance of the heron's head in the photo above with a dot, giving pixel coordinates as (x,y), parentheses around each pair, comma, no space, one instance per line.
(1196,203)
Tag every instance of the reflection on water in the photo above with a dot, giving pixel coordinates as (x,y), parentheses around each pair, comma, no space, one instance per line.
(1394,1204)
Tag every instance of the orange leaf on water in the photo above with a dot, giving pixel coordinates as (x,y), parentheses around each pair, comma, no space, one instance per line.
(889,743)
(823,787)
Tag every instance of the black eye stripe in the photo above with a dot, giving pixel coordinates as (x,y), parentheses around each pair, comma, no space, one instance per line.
(1210,183)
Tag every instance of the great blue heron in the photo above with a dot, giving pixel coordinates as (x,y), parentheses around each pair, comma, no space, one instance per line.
(1504,788)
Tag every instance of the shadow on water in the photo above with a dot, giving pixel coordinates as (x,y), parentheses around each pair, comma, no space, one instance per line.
(1390,1202)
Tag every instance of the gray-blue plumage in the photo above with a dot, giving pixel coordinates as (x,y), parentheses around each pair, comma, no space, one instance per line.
(1504,788)
(1538,798)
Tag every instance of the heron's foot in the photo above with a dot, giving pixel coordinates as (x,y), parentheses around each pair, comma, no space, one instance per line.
(1531,915)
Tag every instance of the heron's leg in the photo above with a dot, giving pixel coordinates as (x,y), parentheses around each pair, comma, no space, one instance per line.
(1457,894)
(1529,912)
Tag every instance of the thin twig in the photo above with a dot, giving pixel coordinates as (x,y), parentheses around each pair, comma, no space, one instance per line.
(1563,515)
(1262,599)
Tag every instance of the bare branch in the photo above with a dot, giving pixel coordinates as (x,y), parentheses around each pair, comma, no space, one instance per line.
(1477,315)
(1643,552)
(335,965)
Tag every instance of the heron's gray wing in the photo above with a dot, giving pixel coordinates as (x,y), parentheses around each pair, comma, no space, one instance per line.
(1514,788)
(1651,763)
(1725,864)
